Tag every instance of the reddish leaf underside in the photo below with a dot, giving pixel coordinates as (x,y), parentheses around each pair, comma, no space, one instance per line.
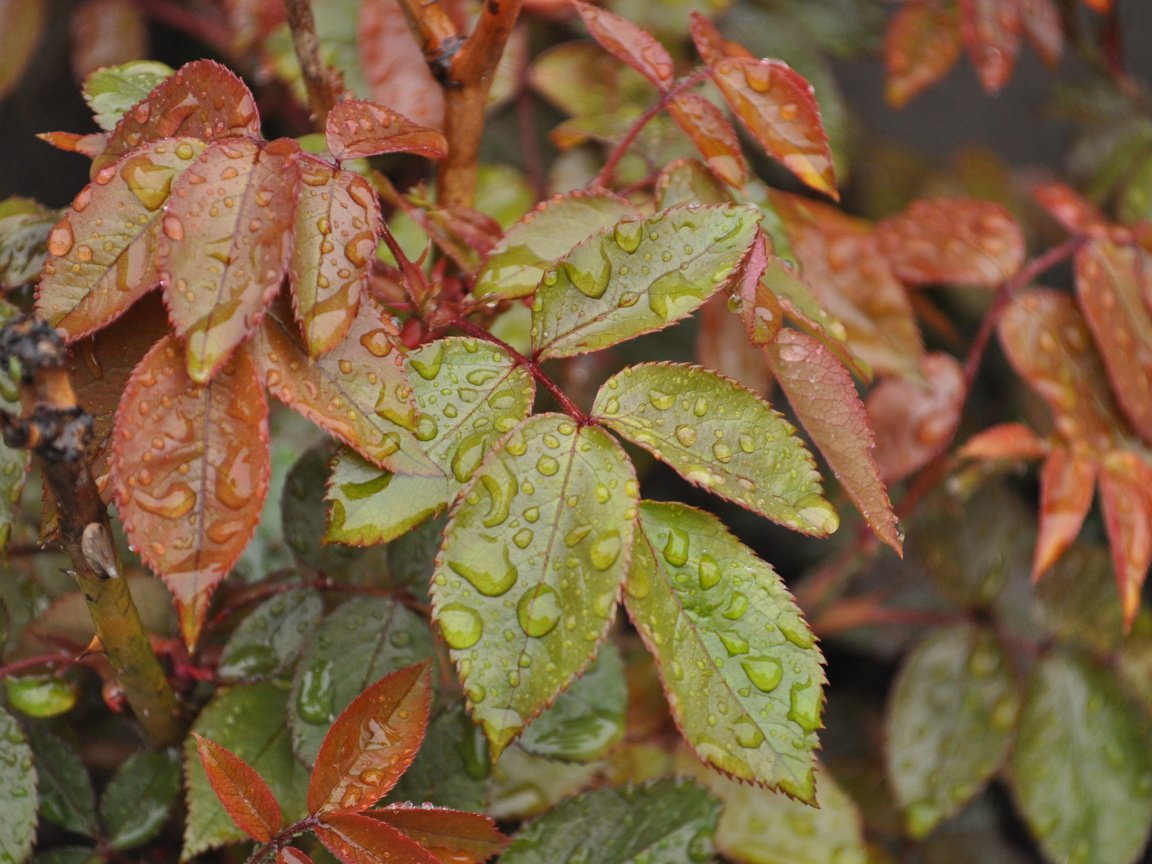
(372,743)
(1126,499)
(921,44)
(356,839)
(357,128)
(1006,441)
(241,790)
(712,135)
(1067,482)
(451,835)
(824,397)
(778,108)
(991,33)
(629,43)
(190,469)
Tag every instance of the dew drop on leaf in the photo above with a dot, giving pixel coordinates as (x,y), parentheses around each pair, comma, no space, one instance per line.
(605,549)
(60,238)
(709,572)
(764,672)
(538,611)
(461,626)
(488,584)
(314,701)
(804,706)
(676,548)
(686,434)
(662,401)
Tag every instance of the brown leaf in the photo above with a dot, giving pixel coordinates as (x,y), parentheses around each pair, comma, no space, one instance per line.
(712,135)
(1076,214)
(629,43)
(356,839)
(1067,481)
(453,836)
(357,128)
(106,33)
(921,44)
(991,33)
(241,791)
(1126,498)
(710,45)
(1006,441)
(394,66)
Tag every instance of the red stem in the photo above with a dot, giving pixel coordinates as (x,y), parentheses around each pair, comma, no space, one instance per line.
(50,660)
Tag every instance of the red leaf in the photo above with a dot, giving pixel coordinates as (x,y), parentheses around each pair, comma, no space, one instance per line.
(722,345)
(710,45)
(101,256)
(291,855)
(760,309)
(915,421)
(1066,484)
(712,135)
(959,240)
(90,145)
(627,42)
(824,397)
(1043,28)
(357,839)
(1006,441)
(357,392)
(357,128)
(991,33)
(1066,206)
(227,236)
(920,46)
(1126,497)
(372,743)
(337,227)
(778,108)
(242,792)
(394,66)
(203,99)
(106,33)
(1111,280)
(453,836)
(190,469)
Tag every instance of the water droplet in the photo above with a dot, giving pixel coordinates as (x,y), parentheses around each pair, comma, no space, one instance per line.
(804,705)
(722,452)
(733,643)
(605,549)
(700,406)
(172,227)
(178,500)
(818,515)
(60,238)
(736,607)
(795,631)
(686,434)
(662,401)
(709,572)
(317,690)
(748,734)
(547,466)
(462,626)
(468,456)
(487,583)
(628,235)
(539,611)
(764,672)
(676,548)
(747,444)
(523,538)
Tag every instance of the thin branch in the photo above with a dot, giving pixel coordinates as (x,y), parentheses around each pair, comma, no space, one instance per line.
(321,97)
(439,40)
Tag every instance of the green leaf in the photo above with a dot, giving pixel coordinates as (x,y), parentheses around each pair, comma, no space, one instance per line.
(69,855)
(523,785)
(304,516)
(139,797)
(529,574)
(371,505)
(40,695)
(738,663)
(270,637)
(13,461)
(721,436)
(1077,601)
(24,227)
(688,181)
(518,260)
(452,767)
(949,723)
(66,795)
(642,275)
(249,720)
(111,91)
(18,781)
(357,644)
(666,822)
(1081,767)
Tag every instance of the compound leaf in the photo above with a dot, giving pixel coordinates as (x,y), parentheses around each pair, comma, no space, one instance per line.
(356,128)
(240,790)
(450,835)
(111,91)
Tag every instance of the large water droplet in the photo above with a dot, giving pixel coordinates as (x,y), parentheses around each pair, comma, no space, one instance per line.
(676,547)
(710,572)
(60,238)
(178,500)
(662,401)
(736,607)
(764,672)
(733,643)
(818,515)
(795,631)
(539,611)
(462,626)
(628,235)
(605,549)
(686,434)
(547,466)
(317,690)
(804,705)
(748,734)
(488,583)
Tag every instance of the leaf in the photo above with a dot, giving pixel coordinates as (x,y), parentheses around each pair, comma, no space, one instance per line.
(523,785)
(190,469)
(1067,481)
(687,181)
(1075,214)
(394,69)
(23,28)
(291,855)
(1076,601)
(270,637)
(547,233)
(1125,483)
(14,461)
(991,33)
(68,855)
(921,44)
(1005,441)
(1080,769)
(137,800)
(824,397)
(719,436)
(336,230)
(666,822)
(959,240)
(94,272)
(250,721)
(630,43)
(712,135)
(356,839)
(225,245)
(949,724)
(240,790)
(18,781)
(360,642)
(24,228)
(40,695)
(1043,28)
(738,663)
(202,99)
(452,836)
(357,392)
(304,517)
(66,795)
(371,506)
(642,276)
(452,767)
(778,108)
(722,343)
(710,45)
(356,129)
(111,91)
(529,572)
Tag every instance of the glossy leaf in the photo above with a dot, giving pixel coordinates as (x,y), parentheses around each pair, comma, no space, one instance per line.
(111,91)
(336,229)
(921,44)
(190,470)
(356,129)
(450,835)
(360,642)
(640,276)
(520,258)
(959,240)
(291,855)
(101,255)
(139,798)
(1080,769)
(712,135)
(666,822)
(66,795)
(529,573)
(1067,481)
(687,181)
(304,516)
(225,243)
(24,229)
(202,99)
(719,436)
(240,790)
(949,724)
(370,505)
(1126,499)
(40,695)
(356,839)
(991,33)
(270,637)
(630,43)
(778,107)
(739,665)
(18,781)
(452,767)
(824,397)
(250,721)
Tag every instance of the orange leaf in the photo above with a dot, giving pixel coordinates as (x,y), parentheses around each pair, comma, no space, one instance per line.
(778,108)
(292,855)
(19,38)
(959,240)
(1076,214)
(372,743)
(190,469)
(627,42)
(90,145)
(242,792)
(1126,498)
(760,309)
(920,46)
(1066,484)
(358,128)
(991,33)
(1043,28)
(394,66)
(710,45)
(712,135)
(1006,441)
(356,839)
(453,836)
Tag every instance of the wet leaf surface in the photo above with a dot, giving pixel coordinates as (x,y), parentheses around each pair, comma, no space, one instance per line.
(921,44)
(1067,482)
(630,43)
(356,839)
(24,229)
(271,636)
(139,798)
(18,782)
(712,135)
(111,91)
(355,129)
(240,790)
(1126,499)
(452,767)
(450,835)
(66,795)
